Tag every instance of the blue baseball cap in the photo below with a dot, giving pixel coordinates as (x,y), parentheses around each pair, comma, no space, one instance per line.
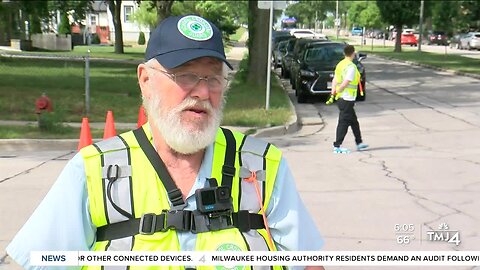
(180,39)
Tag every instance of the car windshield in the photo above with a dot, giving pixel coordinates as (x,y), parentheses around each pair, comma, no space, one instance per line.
(324,54)
(477,35)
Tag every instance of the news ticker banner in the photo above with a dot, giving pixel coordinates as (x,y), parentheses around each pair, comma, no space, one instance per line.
(233,259)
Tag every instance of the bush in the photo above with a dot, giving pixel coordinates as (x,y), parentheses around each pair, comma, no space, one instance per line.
(64,27)
(141,38)
(95,39)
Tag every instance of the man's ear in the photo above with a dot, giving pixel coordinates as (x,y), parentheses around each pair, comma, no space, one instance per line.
(143,79)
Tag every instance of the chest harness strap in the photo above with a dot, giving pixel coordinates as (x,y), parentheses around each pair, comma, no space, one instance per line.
(177,218)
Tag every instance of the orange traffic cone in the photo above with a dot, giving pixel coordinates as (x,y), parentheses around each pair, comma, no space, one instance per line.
(85,135)
(109,130)
(142,117)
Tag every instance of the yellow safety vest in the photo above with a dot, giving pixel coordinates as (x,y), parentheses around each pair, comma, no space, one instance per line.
(340,72)
(139,190)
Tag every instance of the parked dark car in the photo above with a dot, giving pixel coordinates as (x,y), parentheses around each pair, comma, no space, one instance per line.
(278,36)
(317,69)
(278,53)
(286,59)
(438,37)
(296,54)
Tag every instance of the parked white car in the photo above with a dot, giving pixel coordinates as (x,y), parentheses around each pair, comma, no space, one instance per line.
(302,33)
(470,41)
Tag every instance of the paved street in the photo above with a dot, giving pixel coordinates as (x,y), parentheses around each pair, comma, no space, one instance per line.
(422,167)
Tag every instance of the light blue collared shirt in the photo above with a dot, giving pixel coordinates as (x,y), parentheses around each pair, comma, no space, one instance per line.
(57,226)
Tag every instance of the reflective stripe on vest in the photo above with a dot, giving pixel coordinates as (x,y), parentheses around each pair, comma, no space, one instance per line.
(340,72)
(145,192)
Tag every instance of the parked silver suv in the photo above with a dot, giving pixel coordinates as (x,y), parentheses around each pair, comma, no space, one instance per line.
(470,41)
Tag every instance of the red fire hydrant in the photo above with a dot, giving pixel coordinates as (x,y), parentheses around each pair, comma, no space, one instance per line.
(42,104)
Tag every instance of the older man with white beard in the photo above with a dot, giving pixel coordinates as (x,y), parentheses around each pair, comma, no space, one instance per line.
(180,182)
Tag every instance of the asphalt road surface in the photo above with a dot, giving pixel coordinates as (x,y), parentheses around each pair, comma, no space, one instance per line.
(422,167)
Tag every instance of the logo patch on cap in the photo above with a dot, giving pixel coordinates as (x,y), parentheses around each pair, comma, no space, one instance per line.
(195,28)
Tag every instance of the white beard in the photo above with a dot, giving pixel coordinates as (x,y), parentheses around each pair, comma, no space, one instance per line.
(181,138)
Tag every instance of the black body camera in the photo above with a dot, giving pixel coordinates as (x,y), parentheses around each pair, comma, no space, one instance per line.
(214,200)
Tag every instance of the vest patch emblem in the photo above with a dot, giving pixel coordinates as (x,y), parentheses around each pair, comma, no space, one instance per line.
(229,247)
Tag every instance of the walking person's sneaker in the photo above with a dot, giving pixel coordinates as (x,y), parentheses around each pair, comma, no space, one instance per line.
(340,150)
(362,146)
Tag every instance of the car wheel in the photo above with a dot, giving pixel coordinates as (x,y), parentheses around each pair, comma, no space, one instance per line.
(468,46)
(301,97)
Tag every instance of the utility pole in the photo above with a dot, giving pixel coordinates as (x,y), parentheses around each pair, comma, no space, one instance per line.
(337,21)
(269,63)
(420,27)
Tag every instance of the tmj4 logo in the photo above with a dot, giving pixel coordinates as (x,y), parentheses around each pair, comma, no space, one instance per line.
(444,234)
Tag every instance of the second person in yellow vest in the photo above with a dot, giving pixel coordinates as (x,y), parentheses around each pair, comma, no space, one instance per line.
(344,88)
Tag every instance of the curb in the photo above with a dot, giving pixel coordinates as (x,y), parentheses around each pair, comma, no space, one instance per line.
(16,145)
(454,72)
(292,126)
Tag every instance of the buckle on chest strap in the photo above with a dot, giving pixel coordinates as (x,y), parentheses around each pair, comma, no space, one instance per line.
(177,220)
(147,224)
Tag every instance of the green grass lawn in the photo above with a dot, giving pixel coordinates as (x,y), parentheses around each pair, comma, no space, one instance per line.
(246,105)
(113,86)
(238,34)
(447,61)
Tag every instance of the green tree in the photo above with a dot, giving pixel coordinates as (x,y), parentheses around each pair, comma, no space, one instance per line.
(76,8)
(219,14)
(184,7)
(141,39)
(354,12)
(469,15)
(370,16)
(238,11)
(145,15)
(445,16)
(399,13)
(306,12)
(163,8)
(64,27)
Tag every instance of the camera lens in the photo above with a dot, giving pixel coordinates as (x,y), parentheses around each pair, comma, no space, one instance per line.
(223,193)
